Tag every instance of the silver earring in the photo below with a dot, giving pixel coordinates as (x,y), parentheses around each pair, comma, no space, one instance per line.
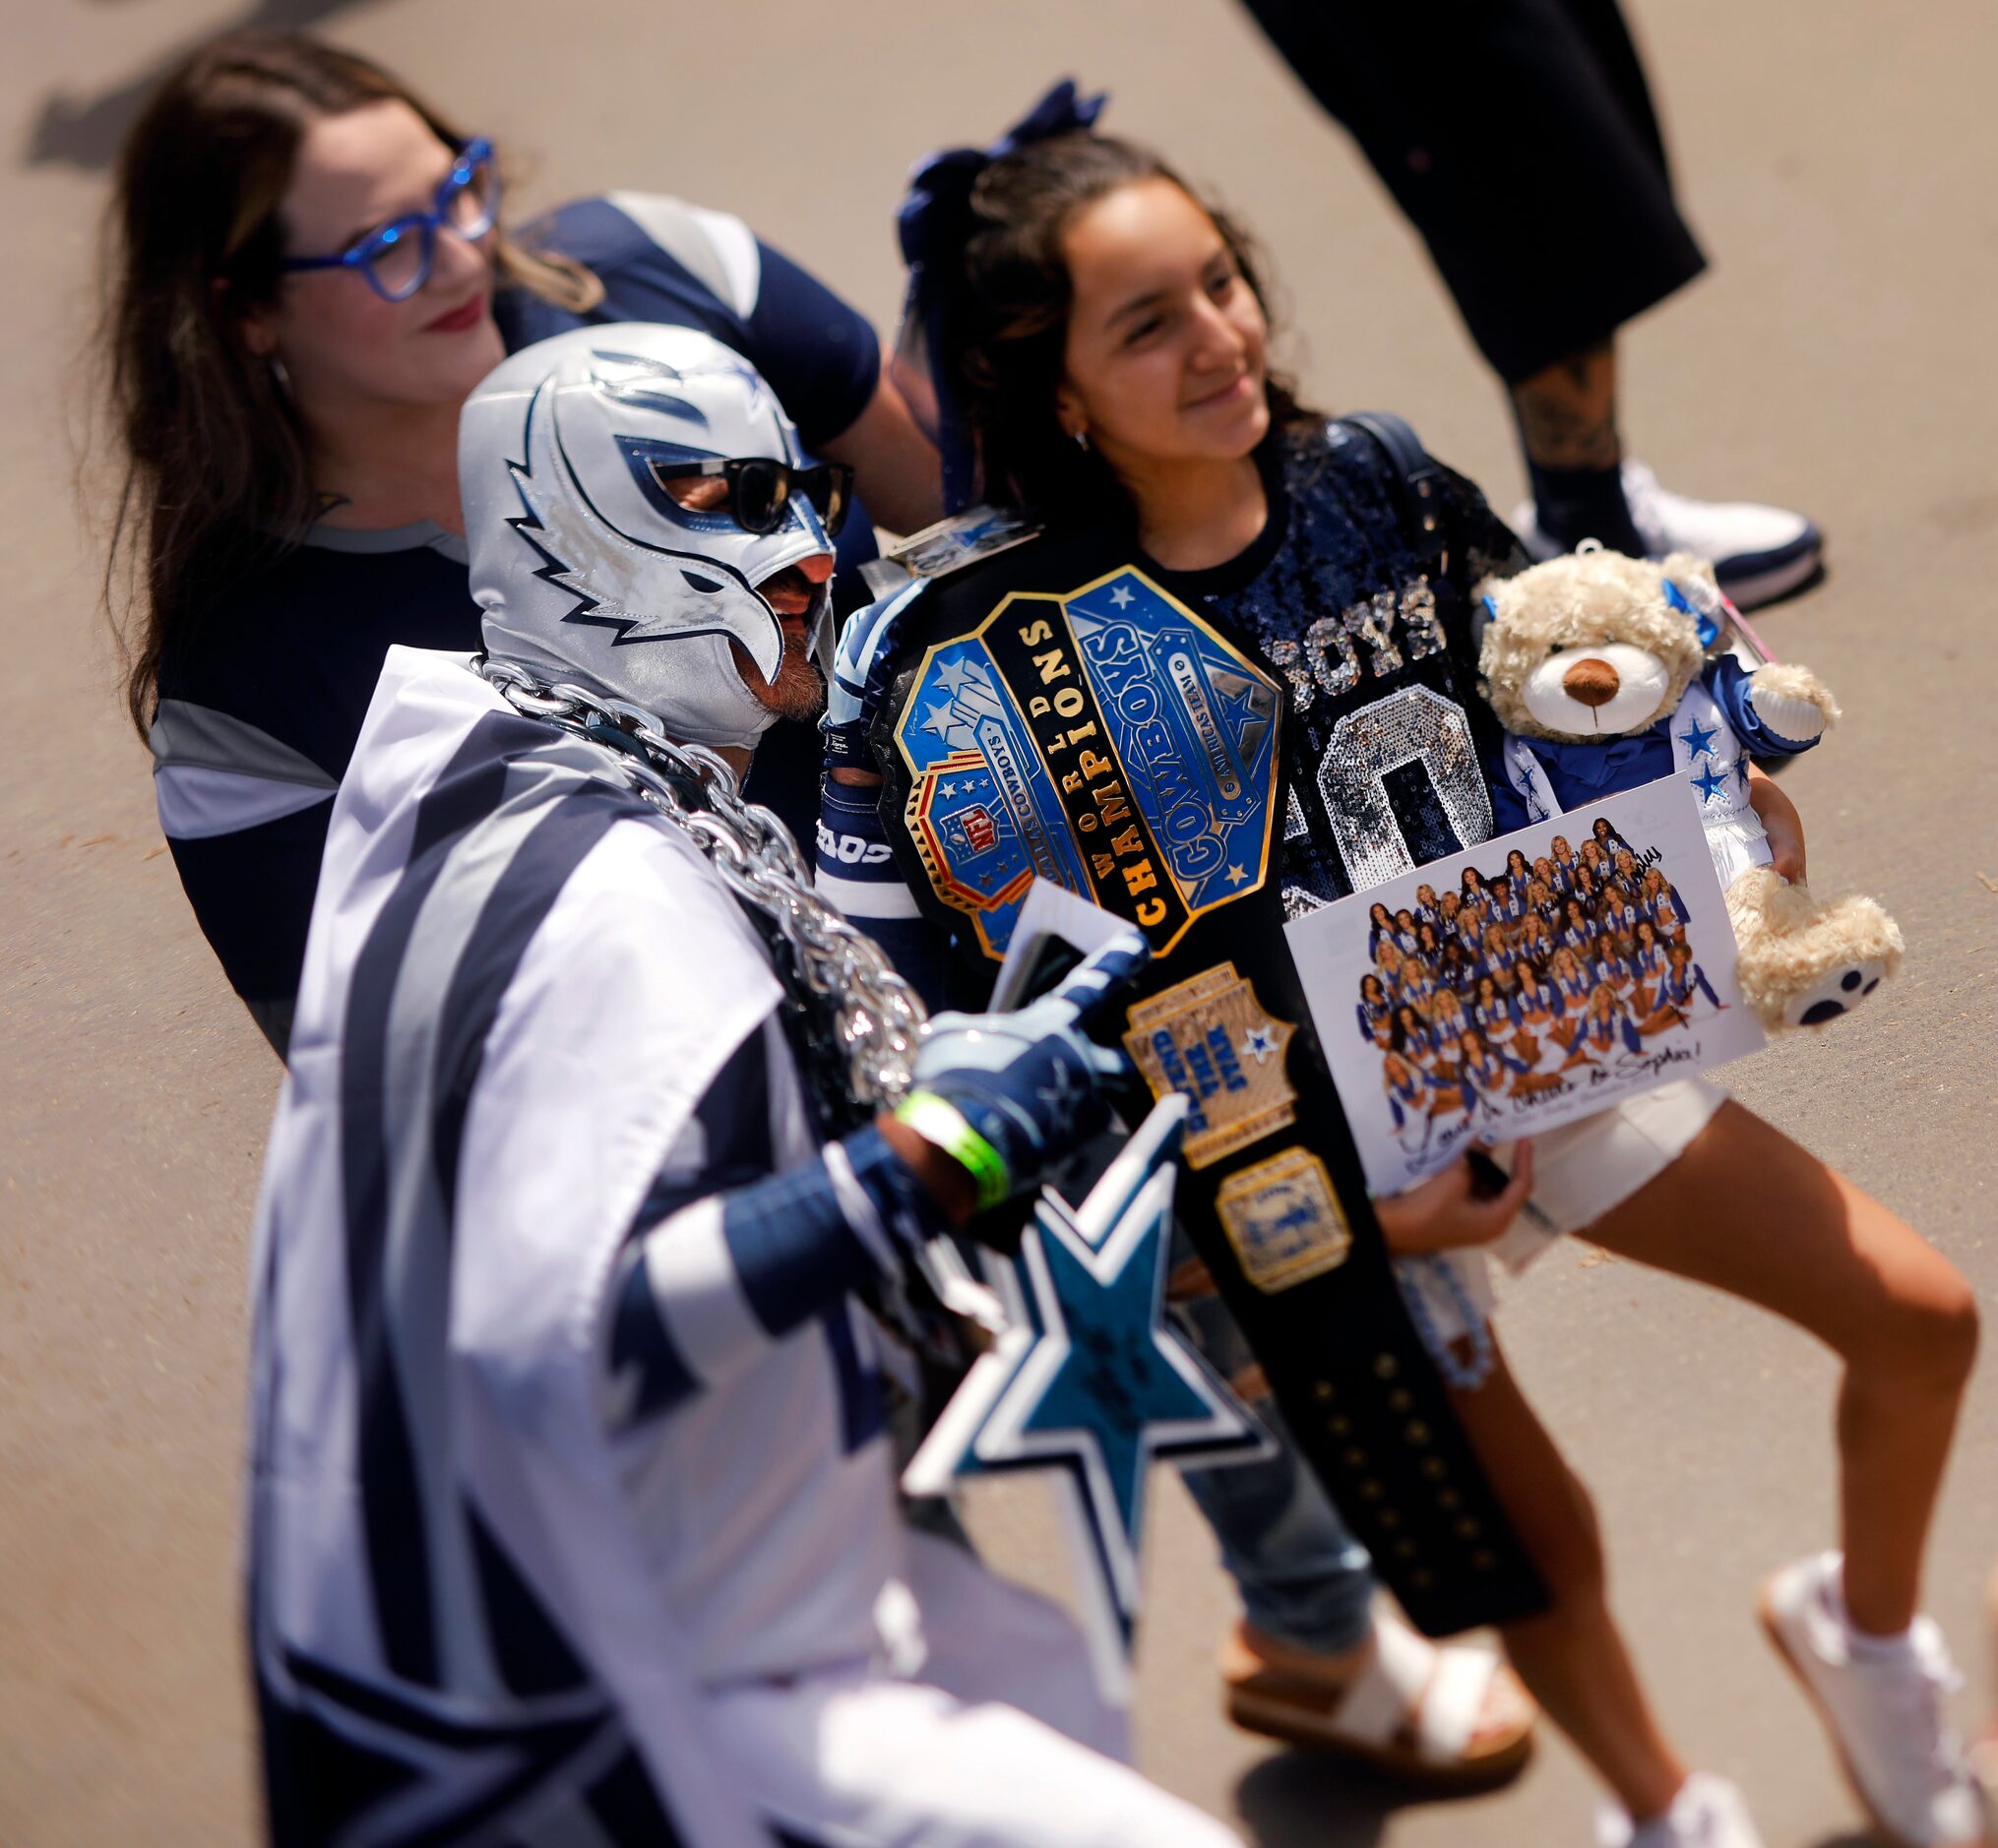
(280,378)
(1081,439)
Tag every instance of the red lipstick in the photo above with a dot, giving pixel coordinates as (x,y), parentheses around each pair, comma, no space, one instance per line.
(458,319)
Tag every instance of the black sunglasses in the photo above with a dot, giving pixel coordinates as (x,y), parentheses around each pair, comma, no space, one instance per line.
(760,489)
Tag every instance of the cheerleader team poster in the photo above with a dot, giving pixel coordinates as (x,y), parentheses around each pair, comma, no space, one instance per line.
(1535,980)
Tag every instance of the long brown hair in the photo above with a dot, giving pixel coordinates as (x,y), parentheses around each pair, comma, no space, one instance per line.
(215,482)
(1004,339)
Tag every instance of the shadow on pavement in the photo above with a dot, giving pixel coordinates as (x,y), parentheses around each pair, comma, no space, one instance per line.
(85,132)
(1297,1797)
(1803,587)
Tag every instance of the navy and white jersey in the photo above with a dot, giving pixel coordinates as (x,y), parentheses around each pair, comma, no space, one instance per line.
(1367,619)
(660,259)
(1679,983)
(1486,1076)
(1619,913)
(1409,1100)
(260,705)
(1417,981)
(1602,1034)
(257,717)
(1574,991)
(854,870)
(1612,968)
(1539,1009)
(545,1440)
(1421,1041)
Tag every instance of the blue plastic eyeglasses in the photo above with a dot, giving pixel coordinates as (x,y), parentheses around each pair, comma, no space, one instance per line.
(395,257)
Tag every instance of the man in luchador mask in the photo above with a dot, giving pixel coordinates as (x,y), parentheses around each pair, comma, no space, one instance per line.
(572,1509)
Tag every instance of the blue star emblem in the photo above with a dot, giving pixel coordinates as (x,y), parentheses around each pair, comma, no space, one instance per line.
(953,675)
(1090,1380)
(1698,739)
(1121,595)
(940,721)
(1741,769)
(1711,784)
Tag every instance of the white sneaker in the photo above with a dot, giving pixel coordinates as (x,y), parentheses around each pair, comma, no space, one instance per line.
(1708,1813)
(1756,552)
(1909,1771)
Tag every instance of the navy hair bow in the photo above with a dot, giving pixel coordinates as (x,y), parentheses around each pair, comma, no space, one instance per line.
(934,223)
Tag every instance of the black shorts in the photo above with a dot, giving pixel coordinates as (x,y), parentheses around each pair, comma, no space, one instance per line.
(1520,139)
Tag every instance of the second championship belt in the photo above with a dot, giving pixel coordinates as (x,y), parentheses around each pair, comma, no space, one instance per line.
(1054,718)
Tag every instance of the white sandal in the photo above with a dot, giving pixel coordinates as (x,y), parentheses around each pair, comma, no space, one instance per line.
(1412,1709)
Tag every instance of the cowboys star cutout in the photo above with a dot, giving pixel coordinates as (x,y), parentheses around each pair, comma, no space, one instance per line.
(1094,1382)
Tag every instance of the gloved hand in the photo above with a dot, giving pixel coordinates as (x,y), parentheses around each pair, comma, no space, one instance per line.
(859,677)
(1008,1094)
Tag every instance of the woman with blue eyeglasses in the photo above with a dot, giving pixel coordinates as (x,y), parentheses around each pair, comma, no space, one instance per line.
(395,259)
(311,274)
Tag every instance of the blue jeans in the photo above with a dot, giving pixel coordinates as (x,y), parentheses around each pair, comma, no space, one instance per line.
(1304,1579)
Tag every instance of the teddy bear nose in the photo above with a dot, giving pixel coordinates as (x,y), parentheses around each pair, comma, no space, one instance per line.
(1591,680)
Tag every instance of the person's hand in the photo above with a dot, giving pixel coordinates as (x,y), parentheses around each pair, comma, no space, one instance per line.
(1009,1094)
(859,679)
(1782,822)
(1448,1209)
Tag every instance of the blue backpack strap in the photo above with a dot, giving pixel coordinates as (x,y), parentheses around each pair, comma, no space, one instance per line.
(1419,476)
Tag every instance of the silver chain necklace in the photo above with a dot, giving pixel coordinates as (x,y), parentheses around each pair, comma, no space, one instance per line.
(864,1018)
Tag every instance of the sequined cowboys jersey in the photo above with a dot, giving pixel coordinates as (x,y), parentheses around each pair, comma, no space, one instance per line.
(1368,619)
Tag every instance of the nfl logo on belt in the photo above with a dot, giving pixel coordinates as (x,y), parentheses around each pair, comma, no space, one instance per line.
(974,830)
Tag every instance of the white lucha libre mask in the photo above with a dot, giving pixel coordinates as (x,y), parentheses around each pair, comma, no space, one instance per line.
(586,566)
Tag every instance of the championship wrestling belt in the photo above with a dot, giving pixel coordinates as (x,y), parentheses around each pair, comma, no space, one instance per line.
(1055,714)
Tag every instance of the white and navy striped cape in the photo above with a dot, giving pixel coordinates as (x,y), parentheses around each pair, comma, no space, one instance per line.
(518,1491)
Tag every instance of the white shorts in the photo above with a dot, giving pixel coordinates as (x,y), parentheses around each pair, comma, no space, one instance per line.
(1581,1172)
(854,1757)
(1738,844)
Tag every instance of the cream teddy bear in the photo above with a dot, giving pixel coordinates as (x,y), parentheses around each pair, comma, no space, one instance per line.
(1598,666)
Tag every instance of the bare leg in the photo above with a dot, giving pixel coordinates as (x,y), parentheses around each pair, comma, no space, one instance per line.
(1748,1212)
(1572,1657)
(1566,412)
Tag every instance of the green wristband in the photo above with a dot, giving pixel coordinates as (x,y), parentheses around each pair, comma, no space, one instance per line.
(941,1123)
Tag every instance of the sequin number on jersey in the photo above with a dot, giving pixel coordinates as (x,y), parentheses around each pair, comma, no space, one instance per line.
(1391,773)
